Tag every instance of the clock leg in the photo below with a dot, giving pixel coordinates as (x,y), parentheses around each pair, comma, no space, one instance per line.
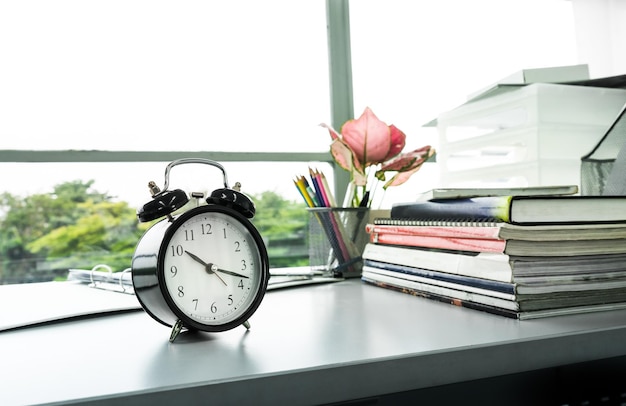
(246,324)
(178,326)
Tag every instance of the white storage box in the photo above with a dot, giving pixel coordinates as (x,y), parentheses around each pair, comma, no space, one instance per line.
(517,138)
(520,144)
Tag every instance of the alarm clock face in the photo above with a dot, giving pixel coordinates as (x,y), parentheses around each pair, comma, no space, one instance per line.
(213,268)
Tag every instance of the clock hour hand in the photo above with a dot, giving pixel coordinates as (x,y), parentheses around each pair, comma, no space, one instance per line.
(196,258)
(209,268)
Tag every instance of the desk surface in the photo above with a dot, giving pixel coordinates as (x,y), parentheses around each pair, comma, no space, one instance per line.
(307,345)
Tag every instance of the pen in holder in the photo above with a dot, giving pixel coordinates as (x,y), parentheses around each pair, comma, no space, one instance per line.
(337,238)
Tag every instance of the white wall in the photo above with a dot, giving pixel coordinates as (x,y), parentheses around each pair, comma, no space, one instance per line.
(601,35)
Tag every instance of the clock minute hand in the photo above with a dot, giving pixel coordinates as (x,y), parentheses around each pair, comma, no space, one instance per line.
(231,273)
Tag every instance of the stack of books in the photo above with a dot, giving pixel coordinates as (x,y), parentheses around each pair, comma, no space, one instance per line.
(519,255)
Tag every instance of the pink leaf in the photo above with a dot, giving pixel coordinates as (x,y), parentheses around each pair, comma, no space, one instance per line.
(342,154)
(345,158)
(407,160)
(333,134)
(401,177)
(405,165)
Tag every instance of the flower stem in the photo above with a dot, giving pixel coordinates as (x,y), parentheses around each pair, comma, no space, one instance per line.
(359,192)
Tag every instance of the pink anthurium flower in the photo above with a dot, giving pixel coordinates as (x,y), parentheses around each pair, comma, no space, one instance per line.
(371,140)
(367,141)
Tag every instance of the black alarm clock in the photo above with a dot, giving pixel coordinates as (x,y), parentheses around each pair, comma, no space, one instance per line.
(205,268)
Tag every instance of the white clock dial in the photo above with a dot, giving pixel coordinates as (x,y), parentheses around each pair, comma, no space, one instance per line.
(212,268)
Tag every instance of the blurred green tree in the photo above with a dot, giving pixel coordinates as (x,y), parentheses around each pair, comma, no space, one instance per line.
(283,224)
(44,235)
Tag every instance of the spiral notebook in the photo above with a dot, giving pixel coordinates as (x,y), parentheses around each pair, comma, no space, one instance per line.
(497,229)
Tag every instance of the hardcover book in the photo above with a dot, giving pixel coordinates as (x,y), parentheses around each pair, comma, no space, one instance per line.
(464,193)
(518,209)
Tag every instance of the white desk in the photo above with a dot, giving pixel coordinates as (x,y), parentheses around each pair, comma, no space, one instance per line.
(308,345)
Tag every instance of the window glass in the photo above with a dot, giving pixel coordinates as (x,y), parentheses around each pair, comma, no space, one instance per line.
(412,60)
(155,75)
(128,181)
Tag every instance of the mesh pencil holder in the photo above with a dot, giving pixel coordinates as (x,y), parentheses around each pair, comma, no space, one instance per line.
(337,238)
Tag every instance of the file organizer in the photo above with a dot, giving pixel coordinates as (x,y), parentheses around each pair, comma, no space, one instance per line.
(533,135)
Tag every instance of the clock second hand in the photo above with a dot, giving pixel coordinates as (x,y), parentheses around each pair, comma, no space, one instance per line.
(209,268)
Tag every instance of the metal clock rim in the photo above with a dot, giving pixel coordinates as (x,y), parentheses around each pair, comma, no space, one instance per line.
(188,322)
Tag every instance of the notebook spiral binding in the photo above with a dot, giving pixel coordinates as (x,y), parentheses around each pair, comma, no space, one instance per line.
(437,223)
